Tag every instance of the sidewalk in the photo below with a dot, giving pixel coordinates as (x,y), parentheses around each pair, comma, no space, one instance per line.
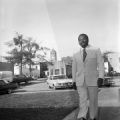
(109,105)
(105,113)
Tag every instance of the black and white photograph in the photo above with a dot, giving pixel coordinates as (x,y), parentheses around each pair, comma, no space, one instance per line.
(59,60)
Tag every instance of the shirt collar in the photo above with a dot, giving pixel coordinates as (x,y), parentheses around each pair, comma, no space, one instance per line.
(81,49)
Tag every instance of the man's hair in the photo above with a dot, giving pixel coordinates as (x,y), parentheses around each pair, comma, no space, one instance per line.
(83,35)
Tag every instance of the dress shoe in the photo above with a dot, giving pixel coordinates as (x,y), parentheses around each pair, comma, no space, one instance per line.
(81,118)
(93,119)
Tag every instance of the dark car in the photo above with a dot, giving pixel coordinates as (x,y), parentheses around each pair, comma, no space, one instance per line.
(21,78)
(108,82)
(7,87)
(74,86)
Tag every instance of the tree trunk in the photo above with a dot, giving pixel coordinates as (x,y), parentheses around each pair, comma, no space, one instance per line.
(21,59)
(30,69)
(21,69)
(13,69)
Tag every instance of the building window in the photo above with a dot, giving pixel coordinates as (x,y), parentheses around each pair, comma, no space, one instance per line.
(57,71)
(62,70)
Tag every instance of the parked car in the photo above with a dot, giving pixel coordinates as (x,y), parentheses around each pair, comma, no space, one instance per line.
(116,81)
(108,82)
(21,78)
(60,81)
(7,87)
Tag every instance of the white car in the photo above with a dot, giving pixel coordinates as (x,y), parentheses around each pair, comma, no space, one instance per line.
(59,81)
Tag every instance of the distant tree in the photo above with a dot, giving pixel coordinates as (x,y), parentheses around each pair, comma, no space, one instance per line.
(69,71)
(16,54)
(12,58)
(43,68)
(43,53)
(43,62)
(30,49)
(67,60)
(68,63)
(20,42)
(24,51)
(105,56)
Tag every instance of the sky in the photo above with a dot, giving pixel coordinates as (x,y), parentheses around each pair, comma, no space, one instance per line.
(58,23)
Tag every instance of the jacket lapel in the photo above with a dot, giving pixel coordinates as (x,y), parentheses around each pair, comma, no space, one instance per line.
(88,53)
(81,55)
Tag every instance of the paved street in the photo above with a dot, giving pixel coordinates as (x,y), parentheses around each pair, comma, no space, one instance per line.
(36,86)
(33,86)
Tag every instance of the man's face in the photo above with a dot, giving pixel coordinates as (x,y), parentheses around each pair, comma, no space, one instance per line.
(83,41)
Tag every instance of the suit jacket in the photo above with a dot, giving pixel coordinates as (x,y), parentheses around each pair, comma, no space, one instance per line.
(89,70)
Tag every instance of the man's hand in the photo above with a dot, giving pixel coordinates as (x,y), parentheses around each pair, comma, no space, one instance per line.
(74,86)
(100,82)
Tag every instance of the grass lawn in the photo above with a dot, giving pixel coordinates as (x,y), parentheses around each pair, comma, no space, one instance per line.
(37,106)
(54,105)
(34,113)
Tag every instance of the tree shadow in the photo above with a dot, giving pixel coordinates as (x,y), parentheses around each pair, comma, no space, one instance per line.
(34,113)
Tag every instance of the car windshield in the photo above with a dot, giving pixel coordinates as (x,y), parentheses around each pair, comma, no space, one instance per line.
(58,77)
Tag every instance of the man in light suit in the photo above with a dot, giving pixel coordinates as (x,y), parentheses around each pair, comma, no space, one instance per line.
(87,69)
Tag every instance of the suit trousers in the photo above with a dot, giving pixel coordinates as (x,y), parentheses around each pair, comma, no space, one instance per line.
(88,97)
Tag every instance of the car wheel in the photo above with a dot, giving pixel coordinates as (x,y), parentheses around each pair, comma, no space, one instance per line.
(9,91)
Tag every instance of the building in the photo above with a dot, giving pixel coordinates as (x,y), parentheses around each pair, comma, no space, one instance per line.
(6,71)
(2,59)
(114,59)
(56,67)
(25,70)
(53,55)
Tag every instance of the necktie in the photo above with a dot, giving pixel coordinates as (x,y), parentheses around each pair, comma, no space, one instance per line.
(84,54)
